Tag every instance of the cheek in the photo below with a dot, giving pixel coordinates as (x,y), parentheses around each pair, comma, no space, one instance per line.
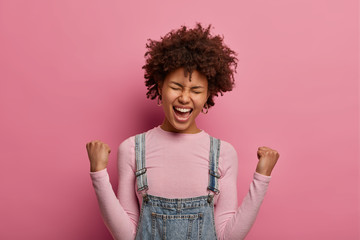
(170,97)
(200,102)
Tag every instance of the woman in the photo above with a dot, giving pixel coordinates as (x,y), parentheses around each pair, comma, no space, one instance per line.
(175,180)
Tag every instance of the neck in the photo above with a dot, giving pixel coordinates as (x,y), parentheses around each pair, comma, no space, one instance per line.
(166,126)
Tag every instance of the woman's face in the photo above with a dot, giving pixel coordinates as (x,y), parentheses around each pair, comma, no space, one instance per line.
(179,95)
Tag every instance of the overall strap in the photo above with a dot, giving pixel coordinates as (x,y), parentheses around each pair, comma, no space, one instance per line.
(140,162)
(213,166)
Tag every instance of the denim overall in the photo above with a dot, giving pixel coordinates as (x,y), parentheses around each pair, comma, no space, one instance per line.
(178,218)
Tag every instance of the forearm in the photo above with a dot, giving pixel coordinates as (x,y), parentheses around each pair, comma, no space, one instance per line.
(113,214)
(242,221)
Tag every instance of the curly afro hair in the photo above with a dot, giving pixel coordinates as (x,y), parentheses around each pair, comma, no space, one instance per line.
(192,49)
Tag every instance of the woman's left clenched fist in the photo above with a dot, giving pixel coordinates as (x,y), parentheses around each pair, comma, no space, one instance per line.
(267,160)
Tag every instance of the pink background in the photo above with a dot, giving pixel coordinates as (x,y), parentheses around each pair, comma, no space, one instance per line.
(71,72)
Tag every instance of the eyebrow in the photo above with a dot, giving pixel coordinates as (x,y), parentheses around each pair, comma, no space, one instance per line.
(182,85)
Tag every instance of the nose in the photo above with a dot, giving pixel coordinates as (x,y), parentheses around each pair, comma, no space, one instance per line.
(184,98)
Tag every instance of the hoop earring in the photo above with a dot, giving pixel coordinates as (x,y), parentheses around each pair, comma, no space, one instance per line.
(159,102)
(207,109)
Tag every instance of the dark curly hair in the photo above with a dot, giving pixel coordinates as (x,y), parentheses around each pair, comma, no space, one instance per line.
(192,49)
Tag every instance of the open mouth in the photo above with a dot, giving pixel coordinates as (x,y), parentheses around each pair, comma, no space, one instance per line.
(182,114)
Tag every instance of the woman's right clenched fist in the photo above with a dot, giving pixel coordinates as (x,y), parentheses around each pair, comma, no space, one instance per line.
(98,153)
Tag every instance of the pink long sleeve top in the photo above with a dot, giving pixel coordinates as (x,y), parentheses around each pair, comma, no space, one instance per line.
(177,167)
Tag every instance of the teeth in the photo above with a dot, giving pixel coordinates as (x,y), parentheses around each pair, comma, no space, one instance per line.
(183,109)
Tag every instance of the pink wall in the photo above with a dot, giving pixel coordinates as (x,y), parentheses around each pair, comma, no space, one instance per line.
(71,72)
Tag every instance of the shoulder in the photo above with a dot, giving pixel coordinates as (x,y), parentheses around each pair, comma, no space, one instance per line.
(228,156)
(126,152)
(227,150)
(226,147)
(129,143)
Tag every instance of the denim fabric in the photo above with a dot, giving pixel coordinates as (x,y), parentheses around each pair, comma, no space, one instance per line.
(213,165)
(180,218)
(175,219)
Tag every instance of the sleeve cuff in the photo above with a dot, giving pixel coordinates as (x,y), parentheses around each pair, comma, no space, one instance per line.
(99,174)
(261,177)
